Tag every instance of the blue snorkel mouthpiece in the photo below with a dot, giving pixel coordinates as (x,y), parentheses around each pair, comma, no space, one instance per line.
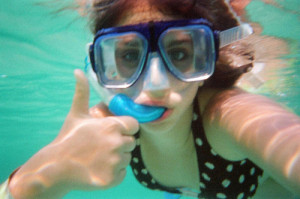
(124,106)
(120,104)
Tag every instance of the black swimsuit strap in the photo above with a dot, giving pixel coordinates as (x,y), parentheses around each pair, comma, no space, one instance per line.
(219,178)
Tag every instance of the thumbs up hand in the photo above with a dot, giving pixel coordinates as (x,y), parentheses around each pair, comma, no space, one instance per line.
(91,151)
(99,142)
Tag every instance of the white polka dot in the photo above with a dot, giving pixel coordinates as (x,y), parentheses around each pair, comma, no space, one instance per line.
(135,171)
(240,196)
(195,117)
(229,168)
(252,171)
(209,165)
(226,183)
(135,160)
(199,142)
(252,188)
(221,195)
(213,152)
(202,185)
(242,179)
(206,177)
(243,162)
(145,183)
(144,171)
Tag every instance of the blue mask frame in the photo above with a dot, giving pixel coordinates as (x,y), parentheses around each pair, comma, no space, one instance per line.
(152,32)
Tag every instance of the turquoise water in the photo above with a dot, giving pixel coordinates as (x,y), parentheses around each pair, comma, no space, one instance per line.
(39,51)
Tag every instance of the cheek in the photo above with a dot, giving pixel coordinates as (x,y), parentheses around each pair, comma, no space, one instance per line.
(185,94)
(188,89)
(190,92)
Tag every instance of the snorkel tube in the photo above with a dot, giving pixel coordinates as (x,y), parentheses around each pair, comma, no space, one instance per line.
(120,104)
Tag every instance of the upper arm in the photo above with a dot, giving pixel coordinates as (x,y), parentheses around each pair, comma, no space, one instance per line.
(255,127)
(218,138)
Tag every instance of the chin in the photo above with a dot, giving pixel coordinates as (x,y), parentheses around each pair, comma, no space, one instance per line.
(163,124)
(166,123)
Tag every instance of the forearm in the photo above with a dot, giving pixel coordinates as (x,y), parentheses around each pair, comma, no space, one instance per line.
(265,132)
(38,178)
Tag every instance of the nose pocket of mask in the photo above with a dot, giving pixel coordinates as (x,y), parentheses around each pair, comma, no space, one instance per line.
(156,77)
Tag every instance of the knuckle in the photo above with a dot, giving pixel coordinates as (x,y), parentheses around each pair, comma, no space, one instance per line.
(132,124)
(114,179)
(127,159)
(112,124)
(115,161)
(135,123)
(126,124)
(99,111)
(132,140)
(131,143)
(116,142)
(121,176)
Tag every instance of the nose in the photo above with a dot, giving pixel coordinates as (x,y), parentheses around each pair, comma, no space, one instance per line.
(156,81)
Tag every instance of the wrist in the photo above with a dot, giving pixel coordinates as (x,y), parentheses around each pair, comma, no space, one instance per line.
(25,183)
(4,191)
(4,188)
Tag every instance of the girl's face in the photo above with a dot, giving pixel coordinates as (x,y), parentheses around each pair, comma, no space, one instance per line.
(157,86)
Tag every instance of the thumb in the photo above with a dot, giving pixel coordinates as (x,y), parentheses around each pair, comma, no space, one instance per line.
(100,110)
(80,105)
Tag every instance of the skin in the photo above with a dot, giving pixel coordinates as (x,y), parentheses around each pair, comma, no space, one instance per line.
(239,5)
(104,142)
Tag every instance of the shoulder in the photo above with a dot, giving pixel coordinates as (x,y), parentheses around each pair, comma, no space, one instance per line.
(213,97)
(269,188)
(241,125)
(210,102)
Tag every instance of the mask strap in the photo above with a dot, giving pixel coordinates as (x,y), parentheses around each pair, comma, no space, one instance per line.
(234,34)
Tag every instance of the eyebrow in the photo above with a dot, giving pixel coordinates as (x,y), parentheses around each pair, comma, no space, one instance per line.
(177,42)
(133,42)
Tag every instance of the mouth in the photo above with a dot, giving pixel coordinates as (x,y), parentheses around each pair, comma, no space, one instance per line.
(162,104)
(123,105)
(164,116)
(155,103)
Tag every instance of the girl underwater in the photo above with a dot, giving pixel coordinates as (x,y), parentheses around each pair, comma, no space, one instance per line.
(211,139)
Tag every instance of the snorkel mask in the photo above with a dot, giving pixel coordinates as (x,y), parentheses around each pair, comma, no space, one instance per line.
(188,49)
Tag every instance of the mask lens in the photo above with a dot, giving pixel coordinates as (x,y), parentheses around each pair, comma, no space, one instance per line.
(189,52)
(119,58)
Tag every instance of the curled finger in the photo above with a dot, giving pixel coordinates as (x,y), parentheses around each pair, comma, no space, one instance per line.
(128,125)
(129,143)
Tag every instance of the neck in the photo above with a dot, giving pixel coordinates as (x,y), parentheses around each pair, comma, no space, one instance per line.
(170,155)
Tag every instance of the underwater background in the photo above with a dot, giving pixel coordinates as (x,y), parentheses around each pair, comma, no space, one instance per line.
(39,50)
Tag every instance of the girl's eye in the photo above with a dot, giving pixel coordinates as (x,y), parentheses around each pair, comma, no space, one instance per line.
(131,56)
(177,54)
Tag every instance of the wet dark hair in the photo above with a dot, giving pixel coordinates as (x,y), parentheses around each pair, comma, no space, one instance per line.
(106,13)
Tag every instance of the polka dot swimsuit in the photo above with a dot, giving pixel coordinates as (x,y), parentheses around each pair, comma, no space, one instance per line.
(219,178)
